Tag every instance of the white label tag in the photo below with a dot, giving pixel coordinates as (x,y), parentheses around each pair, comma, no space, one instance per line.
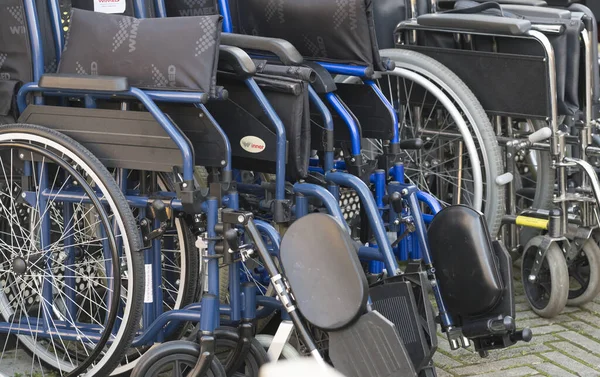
(149,290)
(109,6)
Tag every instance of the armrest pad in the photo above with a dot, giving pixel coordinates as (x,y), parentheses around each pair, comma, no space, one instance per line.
(110,84)
(324,82)
(238,60)
(543,12)
(283,49)
(532,3)
(476,22)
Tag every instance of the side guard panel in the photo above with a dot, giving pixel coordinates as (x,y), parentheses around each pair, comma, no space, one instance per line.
(370,348)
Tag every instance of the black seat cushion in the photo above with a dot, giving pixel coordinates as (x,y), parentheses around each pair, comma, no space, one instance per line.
(156,53)
(462,254)
(323,269)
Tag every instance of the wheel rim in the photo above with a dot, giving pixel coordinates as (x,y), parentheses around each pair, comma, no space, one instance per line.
(537,292)
(579,275)
(56,310)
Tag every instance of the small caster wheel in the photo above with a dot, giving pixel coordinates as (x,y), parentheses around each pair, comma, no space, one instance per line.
(175,358)
(584,275)
(548,294)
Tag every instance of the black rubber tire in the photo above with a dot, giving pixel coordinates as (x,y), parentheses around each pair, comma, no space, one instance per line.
(227,338)
(439,74)
(591,252)
(555,265)
(151,362)
(130,324)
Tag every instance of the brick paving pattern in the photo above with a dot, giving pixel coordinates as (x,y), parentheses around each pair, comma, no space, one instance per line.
(565,346)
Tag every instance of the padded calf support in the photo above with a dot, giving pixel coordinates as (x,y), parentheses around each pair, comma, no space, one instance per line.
(462,253)
(370,348)
(322,267)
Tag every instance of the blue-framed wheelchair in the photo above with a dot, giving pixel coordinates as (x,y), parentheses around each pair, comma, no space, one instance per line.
(119,244)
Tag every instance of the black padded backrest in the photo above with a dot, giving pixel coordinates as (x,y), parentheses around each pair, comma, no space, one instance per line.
(332,31)
(322,267)
(462,253)
(158,53)
(16,62)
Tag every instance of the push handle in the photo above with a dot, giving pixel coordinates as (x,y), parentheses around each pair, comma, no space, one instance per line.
(540,135)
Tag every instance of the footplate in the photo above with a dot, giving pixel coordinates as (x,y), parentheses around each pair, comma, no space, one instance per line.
(371,347)
(404,301)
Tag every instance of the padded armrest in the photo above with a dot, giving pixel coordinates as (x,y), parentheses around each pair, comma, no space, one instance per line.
(476,22)
(531,3)
(283,49)
(544,12)
(238,60)
(110,84)
(324,82)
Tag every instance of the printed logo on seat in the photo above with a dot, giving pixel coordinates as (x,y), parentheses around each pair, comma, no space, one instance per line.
(197,8)
(3,75)
(346,12)
(275,7)
(252,144)
(18,14)
(162,81)
(128,31)
(207,40)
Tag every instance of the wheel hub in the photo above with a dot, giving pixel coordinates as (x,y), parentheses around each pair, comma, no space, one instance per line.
(19,266)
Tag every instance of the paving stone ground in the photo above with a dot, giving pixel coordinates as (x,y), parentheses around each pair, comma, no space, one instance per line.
(566,346)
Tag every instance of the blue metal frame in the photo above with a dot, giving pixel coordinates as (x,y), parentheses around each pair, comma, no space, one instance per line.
(371,210)
(226,13)
(390,107)
(353,127)
(327,123)
(348,70)
(279,132)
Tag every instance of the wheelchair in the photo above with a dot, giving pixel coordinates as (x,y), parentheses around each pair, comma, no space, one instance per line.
(551,186)
(120,186)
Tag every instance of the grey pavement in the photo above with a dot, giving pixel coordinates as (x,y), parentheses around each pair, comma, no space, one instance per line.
(566,346)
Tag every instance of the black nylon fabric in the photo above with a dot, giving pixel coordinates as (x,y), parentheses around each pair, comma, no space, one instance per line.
(157,53)
(8,91)
(566,49)
(184,8)
(387,15)
(332,31)
(291,107)
(15,50)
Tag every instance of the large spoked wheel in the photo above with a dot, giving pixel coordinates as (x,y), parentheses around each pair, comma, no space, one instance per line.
(584,275)
(460,159)
(175,359)
(61,216)
(548,294)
